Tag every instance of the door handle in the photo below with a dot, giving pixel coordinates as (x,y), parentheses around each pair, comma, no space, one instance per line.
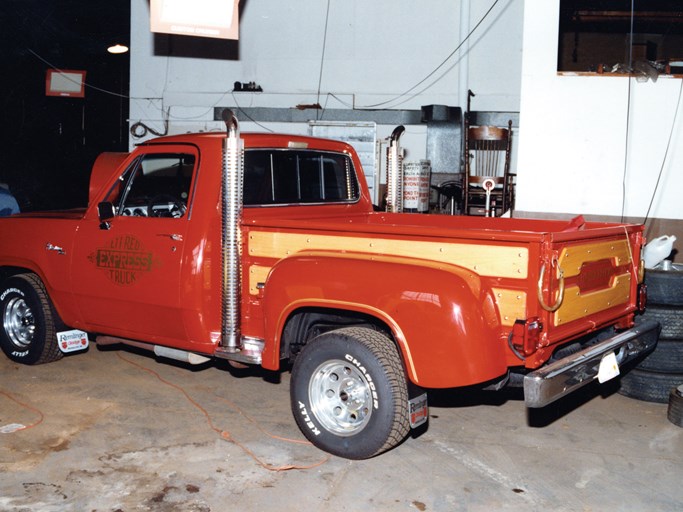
(174,236)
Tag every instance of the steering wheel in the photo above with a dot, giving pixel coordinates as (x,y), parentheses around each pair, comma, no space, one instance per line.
(158,206)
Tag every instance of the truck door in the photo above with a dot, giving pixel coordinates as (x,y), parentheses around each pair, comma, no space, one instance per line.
(127,271)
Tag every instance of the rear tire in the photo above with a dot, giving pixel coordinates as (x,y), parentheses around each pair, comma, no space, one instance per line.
(28,332)
(349,394)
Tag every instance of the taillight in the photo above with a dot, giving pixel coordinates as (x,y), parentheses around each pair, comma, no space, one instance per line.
(641,299)
(525,336)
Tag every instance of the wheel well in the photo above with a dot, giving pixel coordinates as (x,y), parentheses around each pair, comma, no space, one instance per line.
(307,323)
(6,272)
(9,271)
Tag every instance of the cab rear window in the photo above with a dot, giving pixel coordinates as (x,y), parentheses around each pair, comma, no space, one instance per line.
(273,177)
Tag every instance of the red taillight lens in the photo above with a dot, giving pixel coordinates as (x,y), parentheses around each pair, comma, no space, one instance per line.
(526,335)
(642,297)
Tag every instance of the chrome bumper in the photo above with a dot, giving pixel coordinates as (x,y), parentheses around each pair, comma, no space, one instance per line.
(560,378)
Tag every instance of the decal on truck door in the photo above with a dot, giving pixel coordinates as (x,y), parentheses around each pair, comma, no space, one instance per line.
(124,261)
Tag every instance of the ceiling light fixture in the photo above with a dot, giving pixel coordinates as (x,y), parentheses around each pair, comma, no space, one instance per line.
(117,48)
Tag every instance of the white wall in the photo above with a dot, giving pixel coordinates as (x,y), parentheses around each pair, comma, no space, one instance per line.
(495,56)
(582,137)
(375,52)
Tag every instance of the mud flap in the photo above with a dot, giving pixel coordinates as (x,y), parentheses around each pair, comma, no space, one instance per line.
(418,407)
(73,340)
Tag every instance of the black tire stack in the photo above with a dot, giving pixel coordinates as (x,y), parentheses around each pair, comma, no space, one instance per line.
(675,412)
(660,372)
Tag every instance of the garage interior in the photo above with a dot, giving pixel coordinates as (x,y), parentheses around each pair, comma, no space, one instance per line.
(591,94)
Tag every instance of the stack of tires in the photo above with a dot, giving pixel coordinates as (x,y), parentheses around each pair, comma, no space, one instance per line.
(661,372)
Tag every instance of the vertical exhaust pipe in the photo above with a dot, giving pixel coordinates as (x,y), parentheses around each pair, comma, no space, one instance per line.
(395,172)
(231,207)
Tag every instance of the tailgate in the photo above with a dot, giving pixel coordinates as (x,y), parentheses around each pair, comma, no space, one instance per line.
(589,282)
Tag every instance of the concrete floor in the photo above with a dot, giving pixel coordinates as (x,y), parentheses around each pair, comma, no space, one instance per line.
(114,437)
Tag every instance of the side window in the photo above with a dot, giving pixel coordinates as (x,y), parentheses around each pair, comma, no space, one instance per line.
(155,185)
(298,177)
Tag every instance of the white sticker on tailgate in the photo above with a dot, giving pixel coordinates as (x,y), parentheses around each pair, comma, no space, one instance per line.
(609,368)
(70,341)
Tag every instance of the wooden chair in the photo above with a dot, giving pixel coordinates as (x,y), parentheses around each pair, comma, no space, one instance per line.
(487,162)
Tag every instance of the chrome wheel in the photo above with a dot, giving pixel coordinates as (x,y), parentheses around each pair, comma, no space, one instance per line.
(19,323)
(29,322)
(340,397)
(349,392)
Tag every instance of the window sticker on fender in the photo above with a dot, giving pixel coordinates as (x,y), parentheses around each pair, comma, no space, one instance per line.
(124,260)
(70,341)
(419,410)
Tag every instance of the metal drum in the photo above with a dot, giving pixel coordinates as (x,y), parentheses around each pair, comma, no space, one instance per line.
(416,177)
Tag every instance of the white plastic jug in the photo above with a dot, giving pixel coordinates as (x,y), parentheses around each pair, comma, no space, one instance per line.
(658,249)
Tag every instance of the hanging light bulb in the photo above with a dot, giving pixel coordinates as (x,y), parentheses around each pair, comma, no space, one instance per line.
(117,48)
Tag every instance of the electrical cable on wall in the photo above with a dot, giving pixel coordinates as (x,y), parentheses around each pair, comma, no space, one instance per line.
(627,132)
(139,130)
(248,116)
(666,153)
(628,114)
(443,63)
(85,84)
(322,57)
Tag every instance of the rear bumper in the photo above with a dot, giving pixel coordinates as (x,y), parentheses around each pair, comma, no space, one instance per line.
(560,378)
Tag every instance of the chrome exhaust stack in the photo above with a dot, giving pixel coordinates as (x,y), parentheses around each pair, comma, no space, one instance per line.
(231,206)
(395,172)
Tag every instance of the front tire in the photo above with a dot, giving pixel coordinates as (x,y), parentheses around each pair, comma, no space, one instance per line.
(28,333)
(349,393)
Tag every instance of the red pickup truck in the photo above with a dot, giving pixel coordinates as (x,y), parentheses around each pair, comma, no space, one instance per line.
(264,249)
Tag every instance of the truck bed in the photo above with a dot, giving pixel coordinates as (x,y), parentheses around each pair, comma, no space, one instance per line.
(575,277)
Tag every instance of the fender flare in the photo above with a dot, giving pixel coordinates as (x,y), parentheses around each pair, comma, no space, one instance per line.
(442,317)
